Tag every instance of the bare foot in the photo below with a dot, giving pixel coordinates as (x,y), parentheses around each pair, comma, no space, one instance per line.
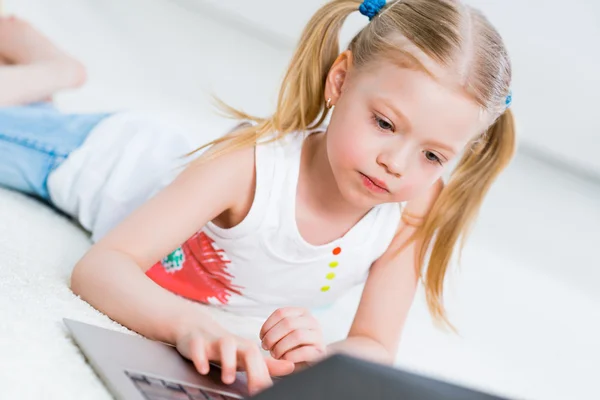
(21,43)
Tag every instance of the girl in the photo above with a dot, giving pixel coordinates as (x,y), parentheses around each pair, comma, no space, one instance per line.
(341,185)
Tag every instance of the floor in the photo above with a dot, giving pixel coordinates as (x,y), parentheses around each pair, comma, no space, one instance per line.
(525,298)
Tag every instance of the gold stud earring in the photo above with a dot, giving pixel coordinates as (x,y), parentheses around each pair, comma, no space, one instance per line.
(328,105)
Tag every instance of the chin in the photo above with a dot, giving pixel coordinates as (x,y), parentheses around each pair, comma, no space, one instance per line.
(359,198)
(354,194)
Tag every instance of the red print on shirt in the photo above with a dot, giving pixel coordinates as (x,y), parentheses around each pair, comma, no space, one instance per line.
(203,274)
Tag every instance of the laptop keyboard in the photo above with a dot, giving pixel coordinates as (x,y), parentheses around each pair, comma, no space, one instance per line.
(159,389)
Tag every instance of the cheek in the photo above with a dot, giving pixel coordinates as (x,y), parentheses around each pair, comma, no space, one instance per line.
(343,153)
(347,145)
(417,183)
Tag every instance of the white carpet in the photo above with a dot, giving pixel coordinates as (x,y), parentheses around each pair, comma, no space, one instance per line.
(37,251)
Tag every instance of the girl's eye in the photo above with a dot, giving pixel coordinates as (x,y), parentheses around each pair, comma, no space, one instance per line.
(433,158)
(386,126)
(383,124)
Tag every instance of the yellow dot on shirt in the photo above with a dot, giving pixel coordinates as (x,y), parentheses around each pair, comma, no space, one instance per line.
(333,264)
(330,275)
(325,288)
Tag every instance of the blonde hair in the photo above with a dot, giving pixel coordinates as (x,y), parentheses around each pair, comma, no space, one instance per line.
(456,37)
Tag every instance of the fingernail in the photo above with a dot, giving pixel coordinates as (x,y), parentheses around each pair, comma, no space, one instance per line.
(264,346)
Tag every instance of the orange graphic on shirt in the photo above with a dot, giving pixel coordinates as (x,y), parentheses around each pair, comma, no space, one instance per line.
(201,275)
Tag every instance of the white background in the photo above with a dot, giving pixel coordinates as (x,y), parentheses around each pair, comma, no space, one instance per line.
(526,298)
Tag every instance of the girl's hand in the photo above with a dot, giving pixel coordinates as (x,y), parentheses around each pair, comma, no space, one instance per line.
(232,353)
(293,334)
(419,207)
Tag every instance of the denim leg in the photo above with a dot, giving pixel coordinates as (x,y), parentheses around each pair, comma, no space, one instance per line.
(34,140)
(25,166)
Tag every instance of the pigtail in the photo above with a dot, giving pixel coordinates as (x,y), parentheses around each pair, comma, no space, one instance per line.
(300,104)
(457,206)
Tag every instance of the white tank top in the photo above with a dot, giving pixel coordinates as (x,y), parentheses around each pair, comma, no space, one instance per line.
(125,160)
(263,263)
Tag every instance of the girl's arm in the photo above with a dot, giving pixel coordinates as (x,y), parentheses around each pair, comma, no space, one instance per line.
(384,306)
(111,276)
(293,334)
(388,293)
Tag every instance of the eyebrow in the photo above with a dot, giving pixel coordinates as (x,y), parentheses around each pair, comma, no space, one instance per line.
(442,145)
(398,113)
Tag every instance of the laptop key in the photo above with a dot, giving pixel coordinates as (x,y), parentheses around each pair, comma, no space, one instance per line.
(154,397)
(166,396)
(155,382)
(137,377)
(210,396)
(199,394)
(173,386)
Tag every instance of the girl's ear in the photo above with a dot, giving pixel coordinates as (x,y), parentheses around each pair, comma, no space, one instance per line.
(337,76)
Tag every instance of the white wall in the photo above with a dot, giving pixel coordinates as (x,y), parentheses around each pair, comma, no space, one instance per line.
(555,53)
(553,45)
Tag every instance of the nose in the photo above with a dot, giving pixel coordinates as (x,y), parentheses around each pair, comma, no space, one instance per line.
(395,160)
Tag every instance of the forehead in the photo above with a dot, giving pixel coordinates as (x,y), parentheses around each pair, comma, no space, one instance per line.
(434,110)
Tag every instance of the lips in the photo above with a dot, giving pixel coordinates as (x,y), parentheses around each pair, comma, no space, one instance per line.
(374,184)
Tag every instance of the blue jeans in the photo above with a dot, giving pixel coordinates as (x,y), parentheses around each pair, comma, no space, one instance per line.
(34,140)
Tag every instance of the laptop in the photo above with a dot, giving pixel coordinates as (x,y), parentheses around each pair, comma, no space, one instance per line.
(135,368)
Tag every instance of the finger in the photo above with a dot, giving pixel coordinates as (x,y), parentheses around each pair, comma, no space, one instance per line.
(308,354)
(280,314)
(297,338)
(228,356)
(256,369)
(198,355)
(284,327)
(279,367)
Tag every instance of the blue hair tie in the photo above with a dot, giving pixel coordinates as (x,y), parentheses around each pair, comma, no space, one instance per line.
(371,8)
(508,100)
